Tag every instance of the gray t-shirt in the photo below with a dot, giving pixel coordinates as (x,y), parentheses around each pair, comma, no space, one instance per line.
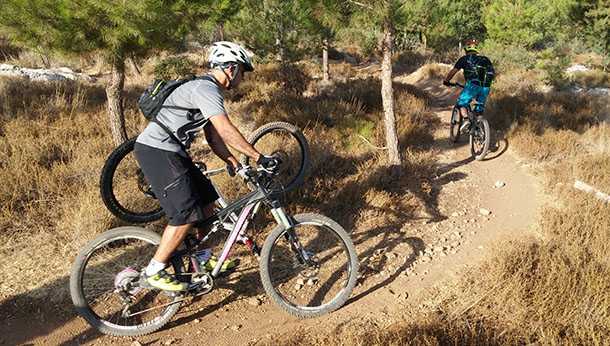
(203,95)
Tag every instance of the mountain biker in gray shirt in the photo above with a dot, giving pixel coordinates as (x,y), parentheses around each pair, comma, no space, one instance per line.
(184,193)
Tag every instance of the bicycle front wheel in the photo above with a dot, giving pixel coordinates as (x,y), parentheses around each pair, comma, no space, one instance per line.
(479,138)
(124,190)
(287,142)
(455,125)
(310,269)
(105,284)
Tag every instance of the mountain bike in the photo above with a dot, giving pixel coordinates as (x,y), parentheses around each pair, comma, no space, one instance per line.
(476,126)
(308,265)
(129,197)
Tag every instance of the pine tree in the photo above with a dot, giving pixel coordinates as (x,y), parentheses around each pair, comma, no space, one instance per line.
(326,18)
(275,28)
(593,17)
(527,23)
(453,21)
(116,29)
(382,17)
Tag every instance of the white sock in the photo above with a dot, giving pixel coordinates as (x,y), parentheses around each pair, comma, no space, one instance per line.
(154,267)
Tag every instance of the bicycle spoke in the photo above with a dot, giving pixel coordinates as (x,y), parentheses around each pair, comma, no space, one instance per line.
(130,187)
(99,283)
(317,281)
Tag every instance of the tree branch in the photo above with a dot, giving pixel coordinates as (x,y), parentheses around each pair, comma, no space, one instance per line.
(360,4)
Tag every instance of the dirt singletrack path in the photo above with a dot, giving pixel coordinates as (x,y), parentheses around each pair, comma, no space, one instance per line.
(401,269)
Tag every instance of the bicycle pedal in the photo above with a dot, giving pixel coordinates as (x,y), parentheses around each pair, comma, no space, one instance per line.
(197,288)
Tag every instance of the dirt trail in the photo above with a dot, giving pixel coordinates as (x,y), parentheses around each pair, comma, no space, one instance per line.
(401,274)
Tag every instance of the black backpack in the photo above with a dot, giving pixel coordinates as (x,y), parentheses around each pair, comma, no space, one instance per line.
(152,99)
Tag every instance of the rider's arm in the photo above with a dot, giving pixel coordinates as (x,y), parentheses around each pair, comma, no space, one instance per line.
(231,136)
(219,147)
(460,64)
(451,74)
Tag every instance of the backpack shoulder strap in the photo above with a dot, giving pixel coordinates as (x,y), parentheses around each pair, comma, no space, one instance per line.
(169,132)
(205,77)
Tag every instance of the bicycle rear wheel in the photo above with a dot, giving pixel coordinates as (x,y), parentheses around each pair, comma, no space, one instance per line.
(288,143)
(455,125)
(105,289)
(124,190)
(310,269)
(479,138)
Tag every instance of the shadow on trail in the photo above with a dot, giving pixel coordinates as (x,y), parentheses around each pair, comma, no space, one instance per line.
(386,244)
(496,149)
(370,201)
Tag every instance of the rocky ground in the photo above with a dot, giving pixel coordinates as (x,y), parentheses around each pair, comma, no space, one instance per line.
(476,206)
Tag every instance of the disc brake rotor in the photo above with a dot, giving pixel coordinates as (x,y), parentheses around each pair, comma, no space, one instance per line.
(127,281)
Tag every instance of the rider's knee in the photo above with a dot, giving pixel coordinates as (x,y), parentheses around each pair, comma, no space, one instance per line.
(479,109)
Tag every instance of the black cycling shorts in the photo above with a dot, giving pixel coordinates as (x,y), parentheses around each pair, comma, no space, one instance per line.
(181,188)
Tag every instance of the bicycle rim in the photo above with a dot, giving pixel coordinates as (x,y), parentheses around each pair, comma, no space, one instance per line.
(125,190)
(455,125)
(288,143)
(479,139)
(110,274)
(316,285)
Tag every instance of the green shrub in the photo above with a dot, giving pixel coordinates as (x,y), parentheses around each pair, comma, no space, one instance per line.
(506,57)
(174,67)
(591,79)
(554,72)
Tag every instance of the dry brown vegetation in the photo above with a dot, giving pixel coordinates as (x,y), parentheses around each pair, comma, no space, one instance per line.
(55,140)
(592,79)
(552,290)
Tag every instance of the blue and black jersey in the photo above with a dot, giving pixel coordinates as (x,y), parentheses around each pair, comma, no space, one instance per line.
(478,69)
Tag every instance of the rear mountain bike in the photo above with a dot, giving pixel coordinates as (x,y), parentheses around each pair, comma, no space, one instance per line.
(475,126)
(126,193)
(308,265)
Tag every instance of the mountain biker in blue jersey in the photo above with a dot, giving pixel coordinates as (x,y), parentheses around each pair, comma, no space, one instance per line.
(185,194)
(478,73)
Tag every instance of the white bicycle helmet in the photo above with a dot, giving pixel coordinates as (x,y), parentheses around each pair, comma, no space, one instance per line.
(223,52)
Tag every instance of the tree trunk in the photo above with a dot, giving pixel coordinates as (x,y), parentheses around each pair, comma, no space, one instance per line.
(424,40)
(114,94)
(220,32)
(134,63)
(280,49)
(325,75)
(387,96)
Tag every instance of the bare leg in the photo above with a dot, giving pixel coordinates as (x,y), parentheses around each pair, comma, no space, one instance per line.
(174,235)
(464,112)
(208,211)
(171,239)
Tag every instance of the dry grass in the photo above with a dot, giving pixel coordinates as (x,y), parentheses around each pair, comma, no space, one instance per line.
(591,79)
(553,290)
(7,50)
(55,140)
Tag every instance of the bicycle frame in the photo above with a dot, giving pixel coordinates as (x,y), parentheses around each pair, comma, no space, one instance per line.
(240,212)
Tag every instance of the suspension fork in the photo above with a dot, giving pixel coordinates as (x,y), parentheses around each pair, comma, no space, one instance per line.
(283,219)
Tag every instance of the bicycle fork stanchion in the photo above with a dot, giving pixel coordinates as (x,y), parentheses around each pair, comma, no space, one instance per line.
(282,219)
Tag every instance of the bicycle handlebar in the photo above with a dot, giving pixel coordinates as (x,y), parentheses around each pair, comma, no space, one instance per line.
(213,172)
(455,85)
